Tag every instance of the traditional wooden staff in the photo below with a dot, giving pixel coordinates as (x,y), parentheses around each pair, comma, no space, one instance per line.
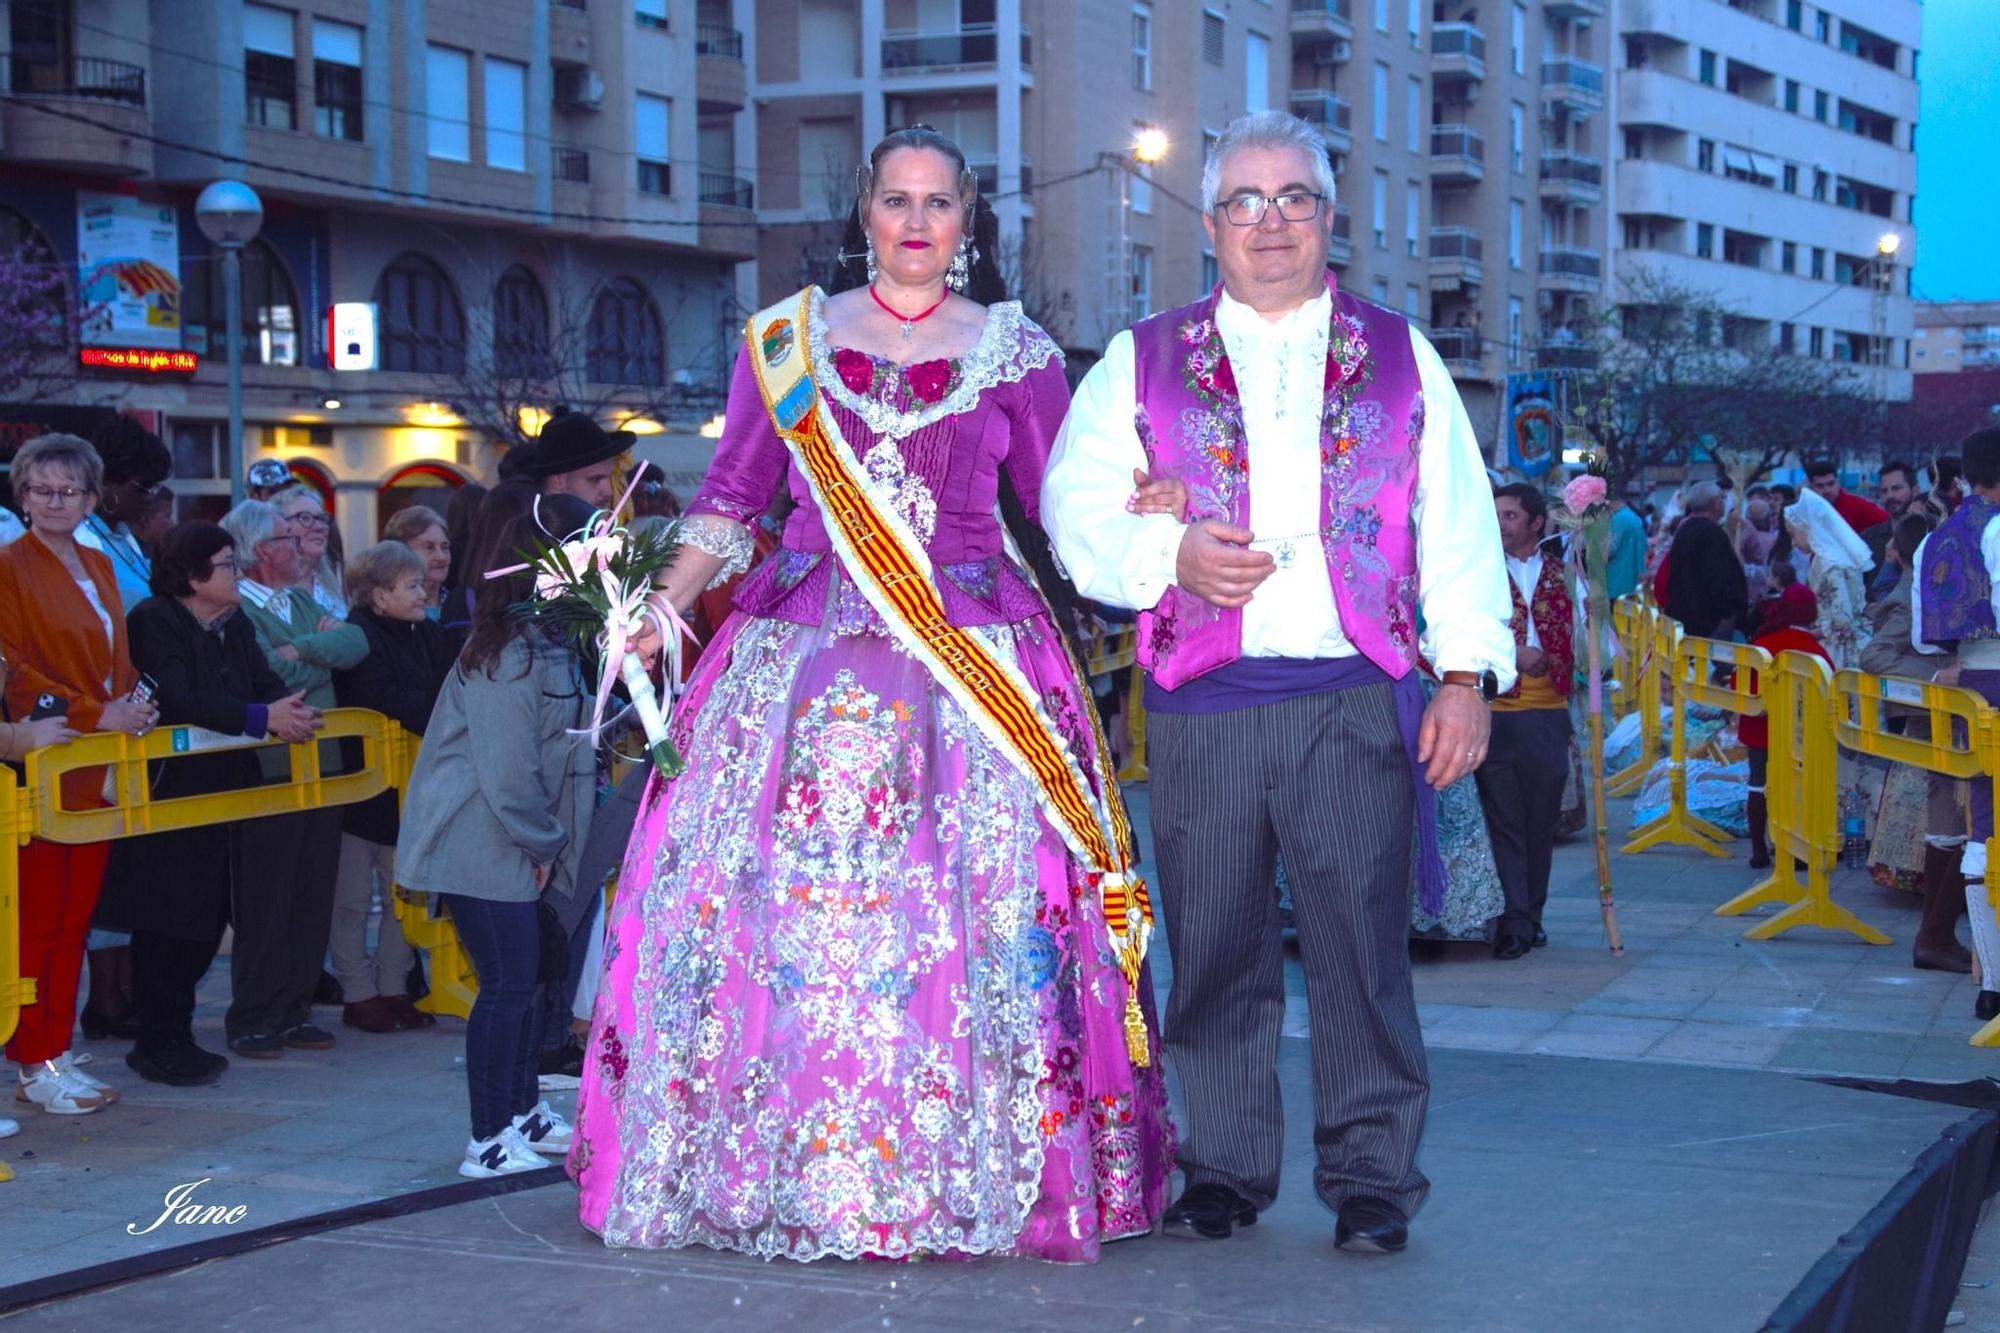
(1586,513)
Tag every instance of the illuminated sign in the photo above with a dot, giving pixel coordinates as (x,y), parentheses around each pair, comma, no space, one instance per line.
(139,360)
(350,335)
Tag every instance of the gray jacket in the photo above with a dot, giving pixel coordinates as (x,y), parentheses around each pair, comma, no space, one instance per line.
(499,785)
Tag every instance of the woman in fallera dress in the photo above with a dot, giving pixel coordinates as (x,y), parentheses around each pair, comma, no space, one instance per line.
(862,993)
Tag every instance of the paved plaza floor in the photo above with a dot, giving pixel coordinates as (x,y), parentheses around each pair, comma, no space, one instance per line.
(1614,1143)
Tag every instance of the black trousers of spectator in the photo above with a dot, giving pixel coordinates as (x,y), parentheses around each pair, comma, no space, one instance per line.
(282,907)
(1520,789)
(166,971)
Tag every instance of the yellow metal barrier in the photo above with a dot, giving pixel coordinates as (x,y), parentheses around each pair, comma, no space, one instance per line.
(1801,794)
(16,991)
(1654,660)
(1631,627)
(1693,680)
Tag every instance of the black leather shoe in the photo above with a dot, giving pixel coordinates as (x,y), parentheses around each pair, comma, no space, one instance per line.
(1208,1210)
(1511,946)
(181,1065)
(1987,1005)
(1541,940)
(1371,1225)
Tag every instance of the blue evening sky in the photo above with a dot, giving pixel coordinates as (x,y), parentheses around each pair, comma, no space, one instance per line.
(1958,199)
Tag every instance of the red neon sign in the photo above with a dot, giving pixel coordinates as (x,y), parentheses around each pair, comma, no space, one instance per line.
(144,360)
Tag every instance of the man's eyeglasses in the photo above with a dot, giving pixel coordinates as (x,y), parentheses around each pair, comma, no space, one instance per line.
(51,495)
(310,519)
(1247,210)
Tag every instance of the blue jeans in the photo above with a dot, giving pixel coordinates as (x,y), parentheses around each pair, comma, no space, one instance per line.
(503,1033)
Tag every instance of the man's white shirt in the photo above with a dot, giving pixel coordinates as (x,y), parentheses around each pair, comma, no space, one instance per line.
(1128,560)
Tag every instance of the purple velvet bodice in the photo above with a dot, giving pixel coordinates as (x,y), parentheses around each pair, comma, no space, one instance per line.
(933,438)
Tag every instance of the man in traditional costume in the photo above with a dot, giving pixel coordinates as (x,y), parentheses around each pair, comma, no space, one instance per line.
(1334,491)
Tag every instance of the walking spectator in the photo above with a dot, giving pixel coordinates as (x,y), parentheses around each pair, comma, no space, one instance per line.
(1857,511)
(497,814)
(1700,582)
(306,518)
(408,658)
(174,890)
(62,632)
(1785,628)
(420,529)
(1527,755)
(1839,558)
(283,918)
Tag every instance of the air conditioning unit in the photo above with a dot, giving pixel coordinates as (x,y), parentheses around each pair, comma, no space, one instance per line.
(1337,52)
(578,88)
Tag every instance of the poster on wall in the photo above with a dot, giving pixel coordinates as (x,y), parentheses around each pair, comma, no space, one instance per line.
(1530,421)
(128,259)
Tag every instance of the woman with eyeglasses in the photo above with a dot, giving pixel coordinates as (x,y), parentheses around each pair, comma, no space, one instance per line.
(173,890)
(321,577)
(62,629)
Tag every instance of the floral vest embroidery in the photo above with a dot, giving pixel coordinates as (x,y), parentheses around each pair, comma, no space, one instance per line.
(1958,593)
(1190,422)
(1555,615)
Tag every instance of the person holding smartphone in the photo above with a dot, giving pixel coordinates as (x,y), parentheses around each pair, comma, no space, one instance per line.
(62,629)
(173,890)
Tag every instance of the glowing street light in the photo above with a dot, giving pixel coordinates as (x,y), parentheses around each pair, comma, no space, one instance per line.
(1888,244)
(1150,145)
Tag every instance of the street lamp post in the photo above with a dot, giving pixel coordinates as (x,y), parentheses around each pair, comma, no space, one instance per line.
(229,213)
(1884,266)
(1148,146)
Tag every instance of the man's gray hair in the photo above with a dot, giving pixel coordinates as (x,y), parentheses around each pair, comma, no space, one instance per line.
(249,523)
(1266,129)
(1701,497)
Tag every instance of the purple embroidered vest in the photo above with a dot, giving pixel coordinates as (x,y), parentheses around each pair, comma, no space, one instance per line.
(1957,590)
(1191,423)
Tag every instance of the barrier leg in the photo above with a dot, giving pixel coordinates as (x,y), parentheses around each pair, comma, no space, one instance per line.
(1815,908)
(16,991)
(1782,887)
(454,982)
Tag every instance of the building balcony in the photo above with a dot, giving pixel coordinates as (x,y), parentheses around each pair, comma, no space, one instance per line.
(112,94)
(1459,350)
(1340,249)
(1330,112)
(569,165)
(1458,155)
(988,171)
(1575,86)
(1573,9)
(1458,258)
(1559,354)
(725,191)
(718,69)
(1321,22)
(969,46)
(569,33)
(1572,178)
(1458,56)
(1568,269)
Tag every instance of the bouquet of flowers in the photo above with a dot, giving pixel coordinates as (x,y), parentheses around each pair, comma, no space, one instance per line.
(594,587)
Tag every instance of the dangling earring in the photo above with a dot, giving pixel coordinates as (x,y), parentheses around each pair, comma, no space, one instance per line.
(871,261)
(960,271)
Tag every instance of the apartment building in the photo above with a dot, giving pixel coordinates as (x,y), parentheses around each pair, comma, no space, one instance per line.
(1046,97)
(1955,336)
(506,183)
(1765,155)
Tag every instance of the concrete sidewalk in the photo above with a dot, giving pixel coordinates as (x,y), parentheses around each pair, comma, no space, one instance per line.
(1586,1163)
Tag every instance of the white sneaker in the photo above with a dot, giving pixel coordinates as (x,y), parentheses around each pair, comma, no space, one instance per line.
(544,1130)
(57,1091)
(71,1062)
(505,1154)
(9,1128)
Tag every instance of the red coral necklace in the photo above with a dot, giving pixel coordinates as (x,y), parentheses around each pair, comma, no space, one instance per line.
(910,322)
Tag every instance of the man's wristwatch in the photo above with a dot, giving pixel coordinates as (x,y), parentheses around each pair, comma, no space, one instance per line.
(1485,682)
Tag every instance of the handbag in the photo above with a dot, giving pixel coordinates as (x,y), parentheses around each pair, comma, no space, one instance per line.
(554,958)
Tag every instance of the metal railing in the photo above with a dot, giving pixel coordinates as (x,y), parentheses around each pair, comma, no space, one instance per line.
(1579,168)
(970,44)
(1343,223)
(1457,243)
(1582,75)
(656,177)
(1565,356)
(1459,40)
(86,77)
(1459,141)
(728,191)
(988,172)
(570,164)
(1340,9)
(1456,344)
(715,39)
(1321,107)
(1569,262)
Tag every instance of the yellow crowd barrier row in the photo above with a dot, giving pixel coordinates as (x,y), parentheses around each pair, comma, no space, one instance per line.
(1693,664)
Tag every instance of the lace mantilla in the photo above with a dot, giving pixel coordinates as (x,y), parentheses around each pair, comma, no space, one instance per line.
(1009,347)
(724,538)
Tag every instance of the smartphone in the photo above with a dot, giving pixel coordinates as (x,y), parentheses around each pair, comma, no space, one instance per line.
(143,692)
(49,705)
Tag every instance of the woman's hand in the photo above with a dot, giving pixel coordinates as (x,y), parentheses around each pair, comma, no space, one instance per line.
(292,719)
(1167,495)
(129,716)
(43,731)
(541,875)
(286,651)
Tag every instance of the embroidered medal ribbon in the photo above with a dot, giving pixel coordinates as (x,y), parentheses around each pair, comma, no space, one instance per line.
(888,564)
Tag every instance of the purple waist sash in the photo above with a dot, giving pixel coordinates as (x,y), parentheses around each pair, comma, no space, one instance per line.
(1251,682)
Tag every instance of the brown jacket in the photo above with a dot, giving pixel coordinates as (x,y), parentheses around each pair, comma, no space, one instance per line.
(55,644)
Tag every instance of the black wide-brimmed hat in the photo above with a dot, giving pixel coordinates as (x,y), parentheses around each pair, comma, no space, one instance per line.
(571,440)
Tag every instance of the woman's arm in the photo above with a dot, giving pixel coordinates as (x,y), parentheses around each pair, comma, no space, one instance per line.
(718,534)
(187,693)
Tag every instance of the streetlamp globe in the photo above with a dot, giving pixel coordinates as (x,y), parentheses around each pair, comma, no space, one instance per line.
(1150,144)
(229,213)
(1888,244)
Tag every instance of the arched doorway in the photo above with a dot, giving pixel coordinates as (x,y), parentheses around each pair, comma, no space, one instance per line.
(427,483)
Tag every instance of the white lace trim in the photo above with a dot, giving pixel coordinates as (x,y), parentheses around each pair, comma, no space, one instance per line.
(724,538)
(1010,346)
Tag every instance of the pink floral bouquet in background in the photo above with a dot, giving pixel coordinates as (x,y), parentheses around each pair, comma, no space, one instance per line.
(1584,493)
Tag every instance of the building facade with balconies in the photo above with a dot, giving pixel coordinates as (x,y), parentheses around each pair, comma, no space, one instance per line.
(1954,336)
(506,182)
(1765,157)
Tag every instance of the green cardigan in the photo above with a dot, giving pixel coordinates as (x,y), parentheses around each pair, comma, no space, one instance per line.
(321,653)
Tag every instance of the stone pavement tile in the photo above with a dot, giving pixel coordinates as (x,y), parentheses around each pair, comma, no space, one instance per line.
(1947,1059)
(1901,1019)
(1494,1029)
(1830,1051)
(1753,1016)
(1720,1044)
(1601,1035)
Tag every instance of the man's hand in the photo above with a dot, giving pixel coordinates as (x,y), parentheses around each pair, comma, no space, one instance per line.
(292,719)
(1531,661)
(327,624)
(1452,740)
(1947,676)
(286,651)
(1217,565)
